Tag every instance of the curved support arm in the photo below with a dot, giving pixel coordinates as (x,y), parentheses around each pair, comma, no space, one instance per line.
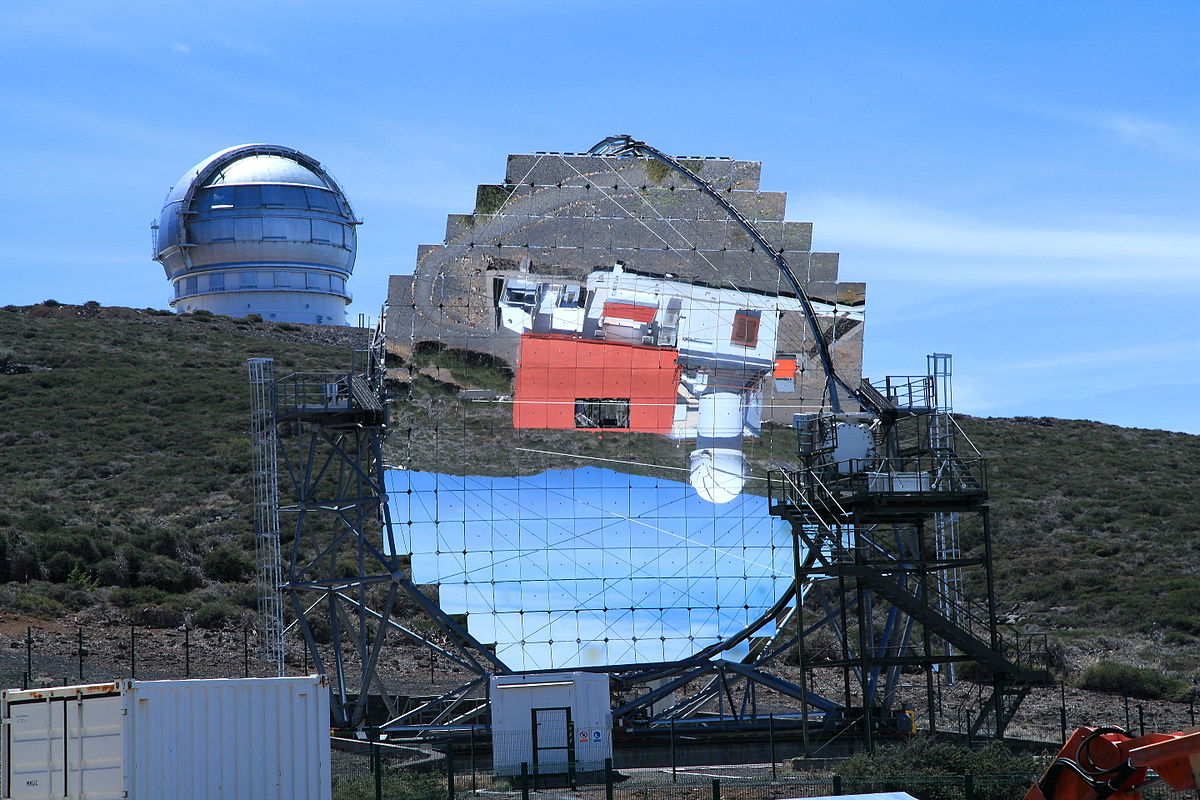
(626,145)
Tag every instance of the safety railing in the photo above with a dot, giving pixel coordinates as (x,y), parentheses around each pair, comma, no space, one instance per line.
(313,392)
(931,476)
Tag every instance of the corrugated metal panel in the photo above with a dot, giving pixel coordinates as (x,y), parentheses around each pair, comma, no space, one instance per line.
(260,738)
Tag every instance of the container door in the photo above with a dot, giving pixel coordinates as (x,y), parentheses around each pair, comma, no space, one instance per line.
(553,735)
(54,748)
(35,749)
(95,727)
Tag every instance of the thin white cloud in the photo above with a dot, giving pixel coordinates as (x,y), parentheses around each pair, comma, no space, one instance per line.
(67,117)
(1175,352)
(1146,133)
(976,250)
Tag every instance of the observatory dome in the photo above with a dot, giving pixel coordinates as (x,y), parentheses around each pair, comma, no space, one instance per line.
(258,229)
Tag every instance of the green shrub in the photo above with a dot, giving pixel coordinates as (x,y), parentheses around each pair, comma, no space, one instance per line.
(168,615)
(170,576)
(1147,684)
(227,564)
(922,756)
(244,595)
(66,541)
(51,303)
(973,671)
(110,572)
(216,614)
(24,560)
(92,304)
(656,170)
(490,197)
(38,605)
(136,596)
(321,631)
(402,785)
(254,318)
(80,578)
(469,368)
(162,541)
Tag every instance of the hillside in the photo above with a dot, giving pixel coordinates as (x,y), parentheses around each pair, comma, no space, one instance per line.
(126,453)
(126,472)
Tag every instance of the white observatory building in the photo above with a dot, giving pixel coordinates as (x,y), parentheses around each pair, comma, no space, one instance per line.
(258,229)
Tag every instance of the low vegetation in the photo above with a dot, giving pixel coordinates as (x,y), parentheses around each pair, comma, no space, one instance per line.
(921,756)
(127,463)
(127,480)
(1142,683)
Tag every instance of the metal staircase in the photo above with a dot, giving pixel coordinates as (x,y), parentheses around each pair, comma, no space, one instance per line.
(874,526)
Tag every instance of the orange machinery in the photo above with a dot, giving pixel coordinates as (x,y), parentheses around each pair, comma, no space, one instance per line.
(1106,762)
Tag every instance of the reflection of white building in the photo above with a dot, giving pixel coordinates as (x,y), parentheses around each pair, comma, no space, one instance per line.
(725,343)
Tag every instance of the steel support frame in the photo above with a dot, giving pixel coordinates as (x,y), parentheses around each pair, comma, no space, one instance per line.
(875,643)
(342,555)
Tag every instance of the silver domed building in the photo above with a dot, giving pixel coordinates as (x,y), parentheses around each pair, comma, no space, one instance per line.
(258,229)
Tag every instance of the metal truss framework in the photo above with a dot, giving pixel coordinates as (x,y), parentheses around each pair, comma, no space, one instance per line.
(887,576)
(863,561)
(341,576)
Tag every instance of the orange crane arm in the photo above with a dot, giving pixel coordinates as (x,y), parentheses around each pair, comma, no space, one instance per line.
(1106,763)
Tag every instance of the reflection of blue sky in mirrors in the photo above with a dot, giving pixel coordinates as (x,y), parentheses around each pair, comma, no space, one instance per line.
(590,566)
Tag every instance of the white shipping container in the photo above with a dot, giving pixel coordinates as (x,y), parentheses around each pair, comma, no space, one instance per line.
(252,738)
(551,721)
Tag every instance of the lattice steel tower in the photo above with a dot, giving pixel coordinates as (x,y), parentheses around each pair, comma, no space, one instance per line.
(341,578)
(266,510)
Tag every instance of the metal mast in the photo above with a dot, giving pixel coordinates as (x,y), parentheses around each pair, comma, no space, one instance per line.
(945,525)
(266,509)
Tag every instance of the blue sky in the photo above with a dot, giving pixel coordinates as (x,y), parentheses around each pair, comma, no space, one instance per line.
(1018,183)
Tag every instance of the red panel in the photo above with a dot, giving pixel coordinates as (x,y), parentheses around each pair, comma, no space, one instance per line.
(785,368)
(630,311)
(554,371)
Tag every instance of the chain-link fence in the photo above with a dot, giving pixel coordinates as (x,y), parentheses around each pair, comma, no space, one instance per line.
(374,773)
(61,655)
(37,657)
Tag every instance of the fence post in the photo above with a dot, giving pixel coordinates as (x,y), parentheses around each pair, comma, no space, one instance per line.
(771,736)
(1141,720)
(473,786)
(837,784)
(132,652)
(377,769)
(187,651)
(245,652)
(80,646)
(716,789)
(1192,707)
(673,763)
(1128,724)
(28,658)
(1062,710)
(524,780)
(968,787)
(449,770)
(608,779)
